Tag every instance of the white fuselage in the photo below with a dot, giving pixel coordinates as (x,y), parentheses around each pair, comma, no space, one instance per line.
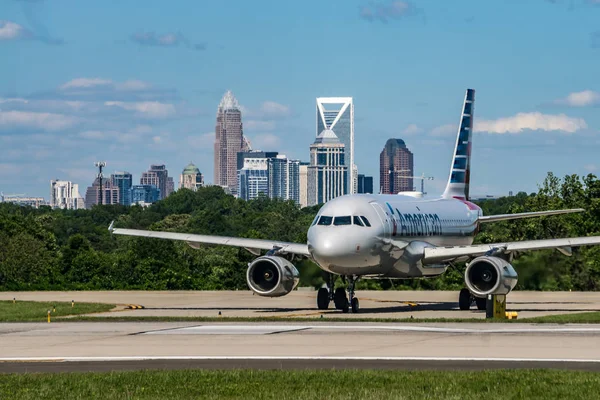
(341,241)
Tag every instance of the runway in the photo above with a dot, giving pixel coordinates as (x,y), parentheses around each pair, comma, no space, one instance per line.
(302,303)
(83,346)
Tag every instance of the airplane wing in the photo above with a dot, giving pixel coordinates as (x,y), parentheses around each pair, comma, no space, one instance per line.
(506,217)
(445,254)
(252,245)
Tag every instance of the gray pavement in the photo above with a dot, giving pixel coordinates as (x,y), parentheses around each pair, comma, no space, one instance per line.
(302,303)
(131,345)
(324,343)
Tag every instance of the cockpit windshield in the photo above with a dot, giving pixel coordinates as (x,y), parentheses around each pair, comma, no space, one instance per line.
(346,220)
(325,220)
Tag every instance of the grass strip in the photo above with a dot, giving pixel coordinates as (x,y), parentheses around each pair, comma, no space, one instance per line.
(303,384)
(575,318)
(34,311)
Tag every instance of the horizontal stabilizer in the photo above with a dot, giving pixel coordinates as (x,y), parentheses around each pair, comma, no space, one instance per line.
(506,217)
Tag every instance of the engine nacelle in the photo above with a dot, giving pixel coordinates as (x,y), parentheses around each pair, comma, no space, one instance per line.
(272,276)
(490,275)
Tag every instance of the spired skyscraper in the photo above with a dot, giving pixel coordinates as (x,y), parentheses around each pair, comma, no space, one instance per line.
(337,114)
(229,141)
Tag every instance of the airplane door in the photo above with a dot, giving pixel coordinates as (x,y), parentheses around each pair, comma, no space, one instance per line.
(384,218)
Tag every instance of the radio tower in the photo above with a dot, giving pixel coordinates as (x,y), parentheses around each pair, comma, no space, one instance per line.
(100,165)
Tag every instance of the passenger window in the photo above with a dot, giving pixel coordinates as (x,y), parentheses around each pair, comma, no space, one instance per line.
(342,221)
(325,220)
(358,221)
(365,220)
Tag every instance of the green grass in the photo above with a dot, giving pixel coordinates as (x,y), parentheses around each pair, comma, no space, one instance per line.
(33,311)
(324,384)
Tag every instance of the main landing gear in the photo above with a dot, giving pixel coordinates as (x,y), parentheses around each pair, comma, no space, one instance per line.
(341,302)
(465,299)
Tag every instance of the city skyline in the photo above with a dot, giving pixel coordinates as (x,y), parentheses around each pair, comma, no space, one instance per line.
(145,91)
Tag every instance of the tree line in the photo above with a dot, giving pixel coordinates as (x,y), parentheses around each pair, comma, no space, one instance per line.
(45,249)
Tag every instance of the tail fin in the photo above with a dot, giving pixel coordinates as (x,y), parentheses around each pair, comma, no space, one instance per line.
(458,181)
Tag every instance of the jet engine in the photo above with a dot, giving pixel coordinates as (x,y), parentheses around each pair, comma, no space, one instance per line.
(490,275)
(272,276)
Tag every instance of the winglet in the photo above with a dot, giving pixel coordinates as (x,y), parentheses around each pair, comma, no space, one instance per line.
(111,226)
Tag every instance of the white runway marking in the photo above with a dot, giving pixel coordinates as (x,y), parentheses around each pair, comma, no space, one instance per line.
(228,330)
(238,329)
(350,358)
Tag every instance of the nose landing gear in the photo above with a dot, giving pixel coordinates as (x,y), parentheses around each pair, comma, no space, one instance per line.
(339,298)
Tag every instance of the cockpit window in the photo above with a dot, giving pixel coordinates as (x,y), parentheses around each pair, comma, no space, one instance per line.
(365,220)
(325,220)
(315,220)
(358,221)
(347,220)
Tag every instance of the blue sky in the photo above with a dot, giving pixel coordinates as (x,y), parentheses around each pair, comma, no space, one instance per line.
(134,83)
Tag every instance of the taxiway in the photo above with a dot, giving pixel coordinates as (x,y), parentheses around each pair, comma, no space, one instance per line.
(302,303)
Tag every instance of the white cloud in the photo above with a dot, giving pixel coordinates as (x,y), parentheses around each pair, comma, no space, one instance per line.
(581,99)
(259,125)
(266,141)
(13,100)
(411,129)
(10,30)
(95,135)
(271,108)
(591,167)
(133,85)
(530,121)
(157,139)
(38,120)
(151,109)
(444,130)
(85,83)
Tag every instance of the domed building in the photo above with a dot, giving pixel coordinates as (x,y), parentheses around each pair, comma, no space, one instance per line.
(191,178)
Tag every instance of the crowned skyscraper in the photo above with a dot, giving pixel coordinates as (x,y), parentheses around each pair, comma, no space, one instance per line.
(229,140)
(337,114)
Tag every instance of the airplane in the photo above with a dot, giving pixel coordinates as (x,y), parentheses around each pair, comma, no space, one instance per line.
(398,236)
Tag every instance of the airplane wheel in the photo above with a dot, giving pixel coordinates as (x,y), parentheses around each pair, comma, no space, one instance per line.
(355,305)
(464,299)
(339,298)
(323,299)
(346,306)
(481,303)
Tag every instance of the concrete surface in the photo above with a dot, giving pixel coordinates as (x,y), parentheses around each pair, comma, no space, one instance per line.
(136,345)
(302,303)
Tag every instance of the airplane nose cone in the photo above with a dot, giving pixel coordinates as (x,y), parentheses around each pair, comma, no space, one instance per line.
(329,249)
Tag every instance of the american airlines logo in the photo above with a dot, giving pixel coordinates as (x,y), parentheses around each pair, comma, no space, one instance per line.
(415,224)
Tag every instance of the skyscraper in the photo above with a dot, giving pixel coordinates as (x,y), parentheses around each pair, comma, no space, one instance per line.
(327,173)
(303,184)
(191,178)
(229,141)
(253,178)
(337,114)
(65,194)
(284,177)
(123,181)
(144,194)
(396,167)
(110,194)
(365,184)
(158,175)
